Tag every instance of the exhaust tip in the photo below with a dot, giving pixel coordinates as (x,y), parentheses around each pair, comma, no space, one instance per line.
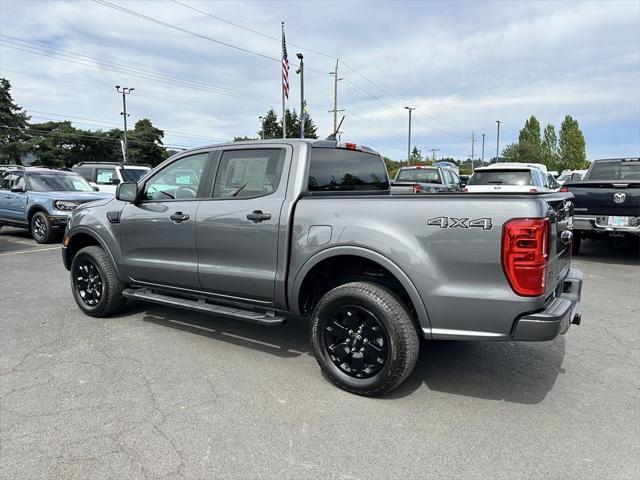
(577,318)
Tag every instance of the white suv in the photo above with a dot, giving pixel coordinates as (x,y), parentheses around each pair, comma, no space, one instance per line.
(108,175)
(511,178)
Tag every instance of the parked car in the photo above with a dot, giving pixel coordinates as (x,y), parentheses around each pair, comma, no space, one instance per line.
(570,176)
(283,229)
(446,164)
(420,179)
(510,178)
(607,200)
(108,175)
(41,199)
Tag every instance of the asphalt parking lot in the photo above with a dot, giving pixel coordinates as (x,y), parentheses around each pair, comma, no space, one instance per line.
(165,393)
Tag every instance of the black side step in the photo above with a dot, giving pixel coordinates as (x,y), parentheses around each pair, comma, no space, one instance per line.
(262,317)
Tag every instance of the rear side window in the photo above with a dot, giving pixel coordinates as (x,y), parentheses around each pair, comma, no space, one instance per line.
(501,177)
(248,173)
(333,169)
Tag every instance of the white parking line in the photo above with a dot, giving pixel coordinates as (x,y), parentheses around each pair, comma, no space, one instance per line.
(31,250)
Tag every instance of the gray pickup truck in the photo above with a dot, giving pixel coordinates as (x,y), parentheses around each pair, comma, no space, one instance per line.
(268,231)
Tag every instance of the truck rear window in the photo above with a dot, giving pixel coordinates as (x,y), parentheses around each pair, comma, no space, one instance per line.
(334,169)
(501,177)
(418,175)
(618,170)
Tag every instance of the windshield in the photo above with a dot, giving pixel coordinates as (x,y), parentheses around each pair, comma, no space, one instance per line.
(132,174)
(618,170)
(501,177)
(418,175)
(58,182)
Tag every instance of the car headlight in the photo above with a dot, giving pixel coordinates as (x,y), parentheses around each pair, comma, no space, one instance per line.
(65,205)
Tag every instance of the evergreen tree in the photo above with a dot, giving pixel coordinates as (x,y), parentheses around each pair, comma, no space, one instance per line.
(510,153)
(415,157)
(549,148)
(572,149)
(271,127)
(145,143)
(13,124)
(529,145)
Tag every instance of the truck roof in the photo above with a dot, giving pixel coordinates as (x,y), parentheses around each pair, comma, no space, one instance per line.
(315,143)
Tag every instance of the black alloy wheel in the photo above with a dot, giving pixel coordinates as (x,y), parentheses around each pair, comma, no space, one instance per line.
(88,282)
(357,342)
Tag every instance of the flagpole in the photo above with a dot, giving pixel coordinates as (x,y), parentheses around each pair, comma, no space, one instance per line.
(284,116)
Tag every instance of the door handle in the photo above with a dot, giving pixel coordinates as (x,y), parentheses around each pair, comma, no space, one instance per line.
(178,217)
(257,216)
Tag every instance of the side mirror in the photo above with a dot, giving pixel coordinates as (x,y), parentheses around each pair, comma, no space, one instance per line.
(127,192)
(96,188)
(115,181)
(17,189)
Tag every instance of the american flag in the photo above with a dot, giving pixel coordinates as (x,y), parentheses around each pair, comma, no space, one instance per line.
(285,67)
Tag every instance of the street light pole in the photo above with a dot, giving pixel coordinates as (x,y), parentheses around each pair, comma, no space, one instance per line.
(300,71)
(125,91)
(261,132)
(498,143)
(482,164)
(409,139)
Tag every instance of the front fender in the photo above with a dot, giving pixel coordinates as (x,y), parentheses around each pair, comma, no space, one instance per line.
(107,242)
(416,299)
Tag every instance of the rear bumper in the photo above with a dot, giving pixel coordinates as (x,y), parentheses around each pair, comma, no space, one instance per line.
(598,224)
(557,316)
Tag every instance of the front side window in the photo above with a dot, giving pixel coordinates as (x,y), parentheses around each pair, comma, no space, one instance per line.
(106,176)
(178,181)
(338,170)
(248,173)
(58,182)
(132,174)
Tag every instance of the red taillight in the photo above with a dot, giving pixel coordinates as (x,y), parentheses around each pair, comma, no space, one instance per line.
(564,189)
(350,146)
(525,255)
(417,188)
(533,190)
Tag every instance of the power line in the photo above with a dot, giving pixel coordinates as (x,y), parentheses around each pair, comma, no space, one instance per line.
(386,92)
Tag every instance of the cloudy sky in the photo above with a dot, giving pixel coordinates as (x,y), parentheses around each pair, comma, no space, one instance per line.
(206,76)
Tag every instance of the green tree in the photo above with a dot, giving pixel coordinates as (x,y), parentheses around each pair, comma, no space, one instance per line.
(416,156)
(549,148)
(145,143)
(572,147)
(13,125)
(56,144)
(510,153)
(271,127)
(529,145)
(392,166)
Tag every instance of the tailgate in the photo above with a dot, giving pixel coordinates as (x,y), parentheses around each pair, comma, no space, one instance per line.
(560,226)
(402,188)
(596,197)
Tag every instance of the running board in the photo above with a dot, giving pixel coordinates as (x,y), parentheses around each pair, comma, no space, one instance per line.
(148,295)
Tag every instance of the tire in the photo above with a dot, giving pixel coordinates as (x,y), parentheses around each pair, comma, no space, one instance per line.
(95,267)
(576,243)
(359,324)
(41,229)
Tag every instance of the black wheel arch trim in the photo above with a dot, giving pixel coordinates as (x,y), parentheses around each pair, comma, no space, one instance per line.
(96,236)
(374,256)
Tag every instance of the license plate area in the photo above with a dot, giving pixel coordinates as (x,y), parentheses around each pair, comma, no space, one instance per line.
(618,221)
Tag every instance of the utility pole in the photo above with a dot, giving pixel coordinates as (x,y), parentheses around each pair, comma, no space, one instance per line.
(409,139)
(125,91)
(335,98)
(498,142)
(433,154)
(473,143)
(300,71)
(261,132)
(482,164)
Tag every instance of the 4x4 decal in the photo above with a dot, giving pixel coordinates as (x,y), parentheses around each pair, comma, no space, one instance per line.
(462,222)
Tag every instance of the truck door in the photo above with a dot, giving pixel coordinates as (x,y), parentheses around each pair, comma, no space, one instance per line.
(158,234)
(238,227)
